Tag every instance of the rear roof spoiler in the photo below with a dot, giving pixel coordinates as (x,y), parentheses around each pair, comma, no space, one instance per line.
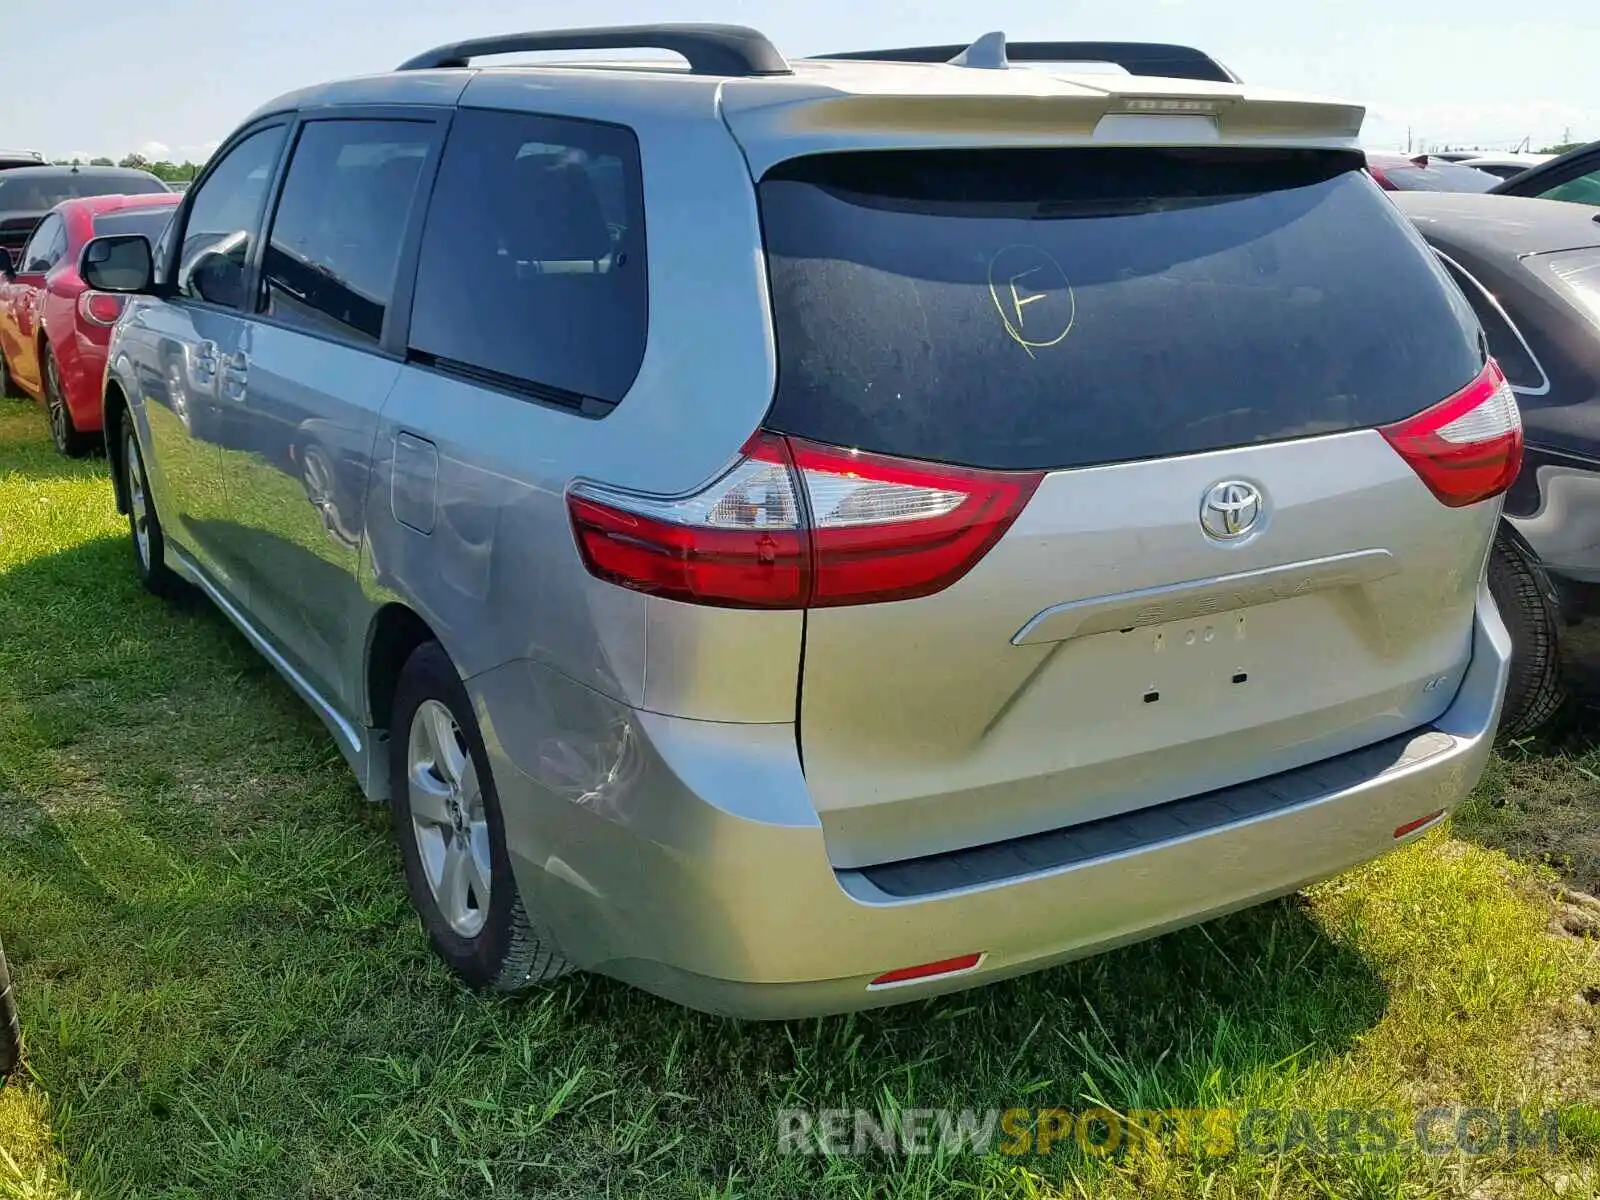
(1137,58)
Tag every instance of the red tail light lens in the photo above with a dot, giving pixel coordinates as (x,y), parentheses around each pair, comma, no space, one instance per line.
(1466,448)
(100,308)
(740,542)
(794,524)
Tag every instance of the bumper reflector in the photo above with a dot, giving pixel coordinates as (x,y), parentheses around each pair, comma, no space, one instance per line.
(927,971)
(1412,826)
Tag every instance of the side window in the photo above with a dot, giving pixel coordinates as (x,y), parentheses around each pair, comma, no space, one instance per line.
(223,218)
(1506,342)
(46,247)
(1585,189)
(532,270)
(335,241)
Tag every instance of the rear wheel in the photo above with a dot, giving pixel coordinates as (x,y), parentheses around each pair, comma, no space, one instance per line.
(144,527)
(1533,693)
(452,835)
(69,441)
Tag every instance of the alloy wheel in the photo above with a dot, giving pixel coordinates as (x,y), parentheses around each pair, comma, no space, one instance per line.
(138,500)
(448,818)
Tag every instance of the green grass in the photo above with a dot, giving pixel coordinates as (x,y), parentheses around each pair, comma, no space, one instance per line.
(225,995)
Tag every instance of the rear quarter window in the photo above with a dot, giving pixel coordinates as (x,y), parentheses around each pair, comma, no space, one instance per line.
(1062,308)
(531,275)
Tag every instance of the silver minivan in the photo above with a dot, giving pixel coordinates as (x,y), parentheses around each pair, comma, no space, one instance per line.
(804,535)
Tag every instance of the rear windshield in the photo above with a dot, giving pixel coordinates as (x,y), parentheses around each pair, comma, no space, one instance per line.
(149,223)
(31,193)
(1059,308)
(1440,176)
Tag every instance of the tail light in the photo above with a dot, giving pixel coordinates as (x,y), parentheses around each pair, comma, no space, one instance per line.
(795,524)
(100,308)
(1466,448)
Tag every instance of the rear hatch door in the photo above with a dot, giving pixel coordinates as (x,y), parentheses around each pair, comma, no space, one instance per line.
(1225,570)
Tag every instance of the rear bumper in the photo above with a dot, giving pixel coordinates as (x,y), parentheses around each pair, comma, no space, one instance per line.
(686,857)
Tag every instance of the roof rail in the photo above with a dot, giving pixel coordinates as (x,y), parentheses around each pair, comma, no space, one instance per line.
(710,49)
(1137,58)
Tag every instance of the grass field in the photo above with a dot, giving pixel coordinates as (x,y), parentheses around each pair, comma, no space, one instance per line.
(225,995)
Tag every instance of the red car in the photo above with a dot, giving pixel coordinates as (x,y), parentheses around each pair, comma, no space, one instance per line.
(53,329)
(1427,173)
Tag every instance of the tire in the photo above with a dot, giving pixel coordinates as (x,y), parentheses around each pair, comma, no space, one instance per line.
(10,1027)
(144,526)
(69,442)
(1534,693)
(448,821)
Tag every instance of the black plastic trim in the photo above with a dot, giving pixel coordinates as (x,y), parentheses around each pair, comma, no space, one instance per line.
(1146,827)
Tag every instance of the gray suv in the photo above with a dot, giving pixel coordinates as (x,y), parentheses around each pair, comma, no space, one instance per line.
(803,535)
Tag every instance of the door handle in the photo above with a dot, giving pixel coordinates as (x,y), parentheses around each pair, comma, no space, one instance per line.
(235,376)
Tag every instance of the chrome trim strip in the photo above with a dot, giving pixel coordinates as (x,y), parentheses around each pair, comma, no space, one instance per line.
(1544,388)
(1204,597)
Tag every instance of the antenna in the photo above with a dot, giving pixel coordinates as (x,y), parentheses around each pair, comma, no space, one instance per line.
(988,52)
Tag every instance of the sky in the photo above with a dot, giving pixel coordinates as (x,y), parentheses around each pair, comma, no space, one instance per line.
(171,78)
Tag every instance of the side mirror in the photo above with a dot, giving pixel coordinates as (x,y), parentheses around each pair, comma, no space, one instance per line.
(8,266)
(118,264)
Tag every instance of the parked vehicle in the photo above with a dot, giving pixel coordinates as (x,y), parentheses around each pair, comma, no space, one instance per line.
(762,585)
(20,158)
(27,193)
(1425,173)
(1531,270)
(1573,177)
(1506,166)
(53,329)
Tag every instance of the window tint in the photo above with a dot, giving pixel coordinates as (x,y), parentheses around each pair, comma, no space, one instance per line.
(532,272)
(1059,308)
(149,223)
(1505,340)
(335,242)
(1585,189)
(46,247)
(223,219)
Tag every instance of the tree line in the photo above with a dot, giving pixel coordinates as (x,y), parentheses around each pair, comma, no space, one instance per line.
(171,172)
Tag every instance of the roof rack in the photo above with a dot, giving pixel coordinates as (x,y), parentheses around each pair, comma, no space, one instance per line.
(709,49)
(991,50)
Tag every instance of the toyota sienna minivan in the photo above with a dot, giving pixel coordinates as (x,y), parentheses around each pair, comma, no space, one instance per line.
(799,535)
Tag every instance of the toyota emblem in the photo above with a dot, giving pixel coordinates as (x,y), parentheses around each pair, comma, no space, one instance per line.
(1230,510)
